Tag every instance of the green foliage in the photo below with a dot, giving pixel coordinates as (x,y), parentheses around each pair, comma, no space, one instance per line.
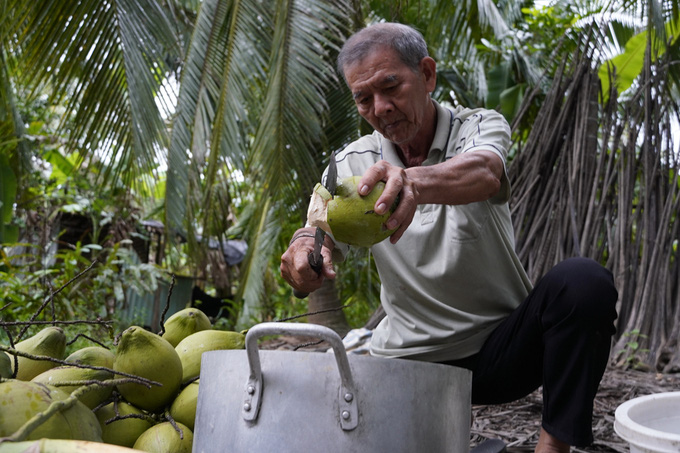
(9,147)
(631,355)
(505,95)
(359,286)
(104,64)
(31,271)
(627,66)
(547,27)
(28,280)
(8,189)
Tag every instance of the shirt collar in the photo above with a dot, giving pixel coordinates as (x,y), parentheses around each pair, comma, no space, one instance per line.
(441,134)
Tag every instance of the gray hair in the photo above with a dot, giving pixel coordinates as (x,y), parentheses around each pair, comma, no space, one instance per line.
(406,41)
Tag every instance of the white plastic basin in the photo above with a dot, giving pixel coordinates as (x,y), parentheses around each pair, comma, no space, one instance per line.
(651,423)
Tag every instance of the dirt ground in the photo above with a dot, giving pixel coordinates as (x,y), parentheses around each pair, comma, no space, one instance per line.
(518,423)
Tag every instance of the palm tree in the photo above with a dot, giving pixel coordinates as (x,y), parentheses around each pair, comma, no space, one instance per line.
(255,98)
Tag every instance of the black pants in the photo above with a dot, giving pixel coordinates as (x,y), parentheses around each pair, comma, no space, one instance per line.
(559,337)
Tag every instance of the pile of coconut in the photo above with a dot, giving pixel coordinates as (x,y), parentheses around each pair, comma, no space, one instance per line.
(69,404)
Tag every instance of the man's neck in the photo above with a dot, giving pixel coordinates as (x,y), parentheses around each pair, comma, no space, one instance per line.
(414,154)
(412,157)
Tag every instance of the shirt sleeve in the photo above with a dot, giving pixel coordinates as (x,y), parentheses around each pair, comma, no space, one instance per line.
(489,131)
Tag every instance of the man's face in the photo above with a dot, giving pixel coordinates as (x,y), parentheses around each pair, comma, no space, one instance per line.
(390,96)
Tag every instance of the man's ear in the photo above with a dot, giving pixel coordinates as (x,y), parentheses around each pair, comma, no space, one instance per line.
(428,67)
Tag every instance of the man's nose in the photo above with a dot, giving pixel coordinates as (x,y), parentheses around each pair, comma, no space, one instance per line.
(382,105)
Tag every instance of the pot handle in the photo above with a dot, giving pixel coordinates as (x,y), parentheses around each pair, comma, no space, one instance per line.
(347,397)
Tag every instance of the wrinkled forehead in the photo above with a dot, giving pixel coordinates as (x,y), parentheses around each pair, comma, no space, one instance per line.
(382,63)
(364,50)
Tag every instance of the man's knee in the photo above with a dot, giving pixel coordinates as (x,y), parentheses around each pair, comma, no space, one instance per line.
(585,289)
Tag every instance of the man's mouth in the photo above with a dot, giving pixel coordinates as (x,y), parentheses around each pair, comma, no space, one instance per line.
(391,125)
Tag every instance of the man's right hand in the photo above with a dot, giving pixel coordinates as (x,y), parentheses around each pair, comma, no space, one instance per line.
(295,268)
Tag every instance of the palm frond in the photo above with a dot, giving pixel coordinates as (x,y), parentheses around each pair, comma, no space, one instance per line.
(265,227)
(105,61)
(301,71)
(459,36)
(229,119)
(242,64)
(286,154)
(12,143)
(341,120)
(192,123)
(211,129)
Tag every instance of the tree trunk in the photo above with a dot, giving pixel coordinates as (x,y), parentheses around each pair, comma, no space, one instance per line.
(328,308)
(375,318)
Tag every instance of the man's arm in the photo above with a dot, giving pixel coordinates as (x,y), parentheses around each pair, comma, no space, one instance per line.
(465,178)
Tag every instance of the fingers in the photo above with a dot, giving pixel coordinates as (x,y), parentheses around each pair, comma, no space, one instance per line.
(377,172)
(328,270)
(295,268)
(393,177)
(398,186)
(402,217)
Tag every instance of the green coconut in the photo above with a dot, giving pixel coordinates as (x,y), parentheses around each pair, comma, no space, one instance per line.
(63,374)
(61,446)
(147,355)
(164,438)
(92,355)
(192,347)
(183,409)
(50,342)
(5,365)
(121,431)
(348,216)
(184,323)
(20,401)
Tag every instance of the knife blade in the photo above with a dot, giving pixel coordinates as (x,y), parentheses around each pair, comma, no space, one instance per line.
(314,257)
(332,176)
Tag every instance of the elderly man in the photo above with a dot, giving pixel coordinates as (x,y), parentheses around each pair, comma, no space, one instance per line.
(452,287)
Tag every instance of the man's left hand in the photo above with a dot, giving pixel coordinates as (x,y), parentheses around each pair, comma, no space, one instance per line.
(397,184)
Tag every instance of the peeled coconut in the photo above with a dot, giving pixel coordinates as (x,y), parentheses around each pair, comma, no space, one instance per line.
(147,355)
(348,216)
(20,401)
(192,347)
(164,438)
(184,323)
(121,431)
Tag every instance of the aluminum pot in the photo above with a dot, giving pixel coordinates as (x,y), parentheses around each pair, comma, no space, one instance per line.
(290,401)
